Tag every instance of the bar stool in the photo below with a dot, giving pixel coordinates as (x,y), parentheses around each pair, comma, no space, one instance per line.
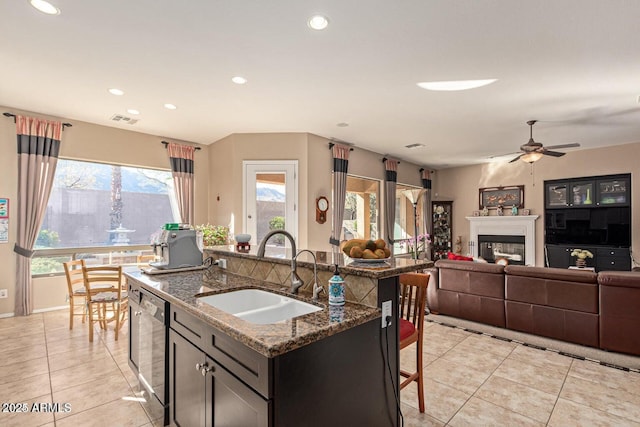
(413,297)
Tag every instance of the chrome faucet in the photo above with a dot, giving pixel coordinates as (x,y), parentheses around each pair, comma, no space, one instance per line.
(316,288)
(296,282)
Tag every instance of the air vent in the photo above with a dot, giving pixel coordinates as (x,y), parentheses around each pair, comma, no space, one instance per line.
(414,146)
(124,119)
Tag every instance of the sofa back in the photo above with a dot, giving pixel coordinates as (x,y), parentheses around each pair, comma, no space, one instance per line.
(471,278)
(553,287)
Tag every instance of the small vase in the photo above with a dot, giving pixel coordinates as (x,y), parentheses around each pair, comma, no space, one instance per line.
(581,263)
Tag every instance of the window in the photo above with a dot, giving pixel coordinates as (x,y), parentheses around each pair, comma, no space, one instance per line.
(405,222)
(96,205)
(361,208)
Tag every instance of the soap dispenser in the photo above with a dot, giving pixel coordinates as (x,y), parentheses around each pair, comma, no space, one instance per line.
(336,288)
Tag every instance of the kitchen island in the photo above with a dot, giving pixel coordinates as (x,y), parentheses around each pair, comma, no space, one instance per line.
(329,367)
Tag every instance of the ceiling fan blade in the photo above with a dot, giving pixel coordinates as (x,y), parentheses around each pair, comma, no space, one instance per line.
(516,159)
(572,145)
(504,155)
(553,153)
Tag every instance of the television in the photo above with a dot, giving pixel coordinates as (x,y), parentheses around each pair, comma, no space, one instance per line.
(589,226)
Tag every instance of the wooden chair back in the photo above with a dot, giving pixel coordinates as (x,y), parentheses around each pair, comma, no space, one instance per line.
(413,301)
(75,289)
(105,294)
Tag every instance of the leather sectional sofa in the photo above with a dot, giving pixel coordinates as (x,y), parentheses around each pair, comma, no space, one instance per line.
(599,310)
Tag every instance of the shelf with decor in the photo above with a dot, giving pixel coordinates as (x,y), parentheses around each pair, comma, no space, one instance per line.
(589,213)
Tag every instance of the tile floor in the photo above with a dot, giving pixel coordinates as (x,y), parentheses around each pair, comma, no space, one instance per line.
(471,379)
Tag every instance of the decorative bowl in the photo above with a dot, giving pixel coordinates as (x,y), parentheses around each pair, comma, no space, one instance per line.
(243,238)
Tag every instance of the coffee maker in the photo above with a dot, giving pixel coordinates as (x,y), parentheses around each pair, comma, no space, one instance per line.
(178,248)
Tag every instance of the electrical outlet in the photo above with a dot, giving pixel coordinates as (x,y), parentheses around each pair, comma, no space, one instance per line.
(4,293)
(386,312)
(222,263)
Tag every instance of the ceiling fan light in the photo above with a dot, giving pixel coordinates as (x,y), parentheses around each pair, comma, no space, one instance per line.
(531,157)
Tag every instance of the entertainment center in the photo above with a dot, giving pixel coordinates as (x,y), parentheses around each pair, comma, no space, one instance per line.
(591,213)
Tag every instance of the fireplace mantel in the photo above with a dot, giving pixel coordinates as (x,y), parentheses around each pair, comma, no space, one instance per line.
(520,225)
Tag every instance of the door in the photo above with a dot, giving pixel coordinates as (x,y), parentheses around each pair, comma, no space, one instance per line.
(270,200)
(231,403)
(187,391)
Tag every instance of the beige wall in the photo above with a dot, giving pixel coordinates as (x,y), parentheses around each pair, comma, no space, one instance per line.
(314,168)
(461,184)
(83,141)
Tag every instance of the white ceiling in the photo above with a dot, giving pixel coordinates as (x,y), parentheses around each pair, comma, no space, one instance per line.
(572,64)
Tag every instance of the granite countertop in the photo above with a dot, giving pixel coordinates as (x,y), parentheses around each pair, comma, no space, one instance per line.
(327,261)
(180,290)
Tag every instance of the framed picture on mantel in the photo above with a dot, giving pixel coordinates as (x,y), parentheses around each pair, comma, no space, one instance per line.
(492,197)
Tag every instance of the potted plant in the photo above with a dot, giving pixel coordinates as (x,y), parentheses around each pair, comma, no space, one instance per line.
(214,235)
(581,257)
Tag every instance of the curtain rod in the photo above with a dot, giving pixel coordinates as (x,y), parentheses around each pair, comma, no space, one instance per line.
(166,144)
(64,125)
(331,144)
(384,159)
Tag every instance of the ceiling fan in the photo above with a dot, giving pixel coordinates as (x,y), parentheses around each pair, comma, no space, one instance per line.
(533,151)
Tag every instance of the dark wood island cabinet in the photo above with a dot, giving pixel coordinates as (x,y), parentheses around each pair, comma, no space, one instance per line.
(330,367)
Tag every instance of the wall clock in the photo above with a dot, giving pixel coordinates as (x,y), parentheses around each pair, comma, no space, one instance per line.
(322,206)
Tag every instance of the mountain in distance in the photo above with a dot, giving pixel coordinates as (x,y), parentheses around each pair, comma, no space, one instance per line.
(269,194)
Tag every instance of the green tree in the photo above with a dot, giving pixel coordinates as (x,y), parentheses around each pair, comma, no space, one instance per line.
(277,223)
(47,239)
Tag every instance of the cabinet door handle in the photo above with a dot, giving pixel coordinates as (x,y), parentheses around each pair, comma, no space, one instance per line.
(199,366)
(206,369)
(137,313)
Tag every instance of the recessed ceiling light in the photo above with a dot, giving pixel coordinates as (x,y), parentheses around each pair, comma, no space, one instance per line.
(239,80)
(456,84)
(318,22)
(170,106)
(133,111)
(342,125)
(117,92)
(45,7)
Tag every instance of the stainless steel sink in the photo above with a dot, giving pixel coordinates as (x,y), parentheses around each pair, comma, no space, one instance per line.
(258,306)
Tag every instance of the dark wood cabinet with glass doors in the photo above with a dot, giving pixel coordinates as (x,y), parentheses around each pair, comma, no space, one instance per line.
(441,229)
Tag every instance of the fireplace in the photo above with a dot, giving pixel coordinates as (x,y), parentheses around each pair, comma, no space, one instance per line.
(492,247)
(522,226)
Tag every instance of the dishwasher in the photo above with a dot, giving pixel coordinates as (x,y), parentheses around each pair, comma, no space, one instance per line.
(152,350)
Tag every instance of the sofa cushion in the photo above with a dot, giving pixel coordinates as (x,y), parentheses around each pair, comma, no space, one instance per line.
(470,266)
(561,294)
(625,279)
(566,325)
(552,273)
(471,278)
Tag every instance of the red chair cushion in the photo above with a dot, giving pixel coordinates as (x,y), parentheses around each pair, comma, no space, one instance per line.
(406,329)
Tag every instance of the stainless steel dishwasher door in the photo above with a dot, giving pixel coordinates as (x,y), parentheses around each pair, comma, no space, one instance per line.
(153,346)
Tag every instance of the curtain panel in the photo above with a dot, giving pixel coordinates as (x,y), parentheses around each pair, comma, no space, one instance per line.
(390,182)
(340,167)
(182,167)
(427,215)
(38,148)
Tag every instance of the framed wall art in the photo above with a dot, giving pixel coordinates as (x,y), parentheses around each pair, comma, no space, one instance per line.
(492,197)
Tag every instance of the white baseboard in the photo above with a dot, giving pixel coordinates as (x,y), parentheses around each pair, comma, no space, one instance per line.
(44,310)
(40,310)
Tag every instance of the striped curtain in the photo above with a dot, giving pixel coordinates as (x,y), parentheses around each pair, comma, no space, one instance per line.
(181,158)
(38,147)
(340,167)
(427,215)
(391,177)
